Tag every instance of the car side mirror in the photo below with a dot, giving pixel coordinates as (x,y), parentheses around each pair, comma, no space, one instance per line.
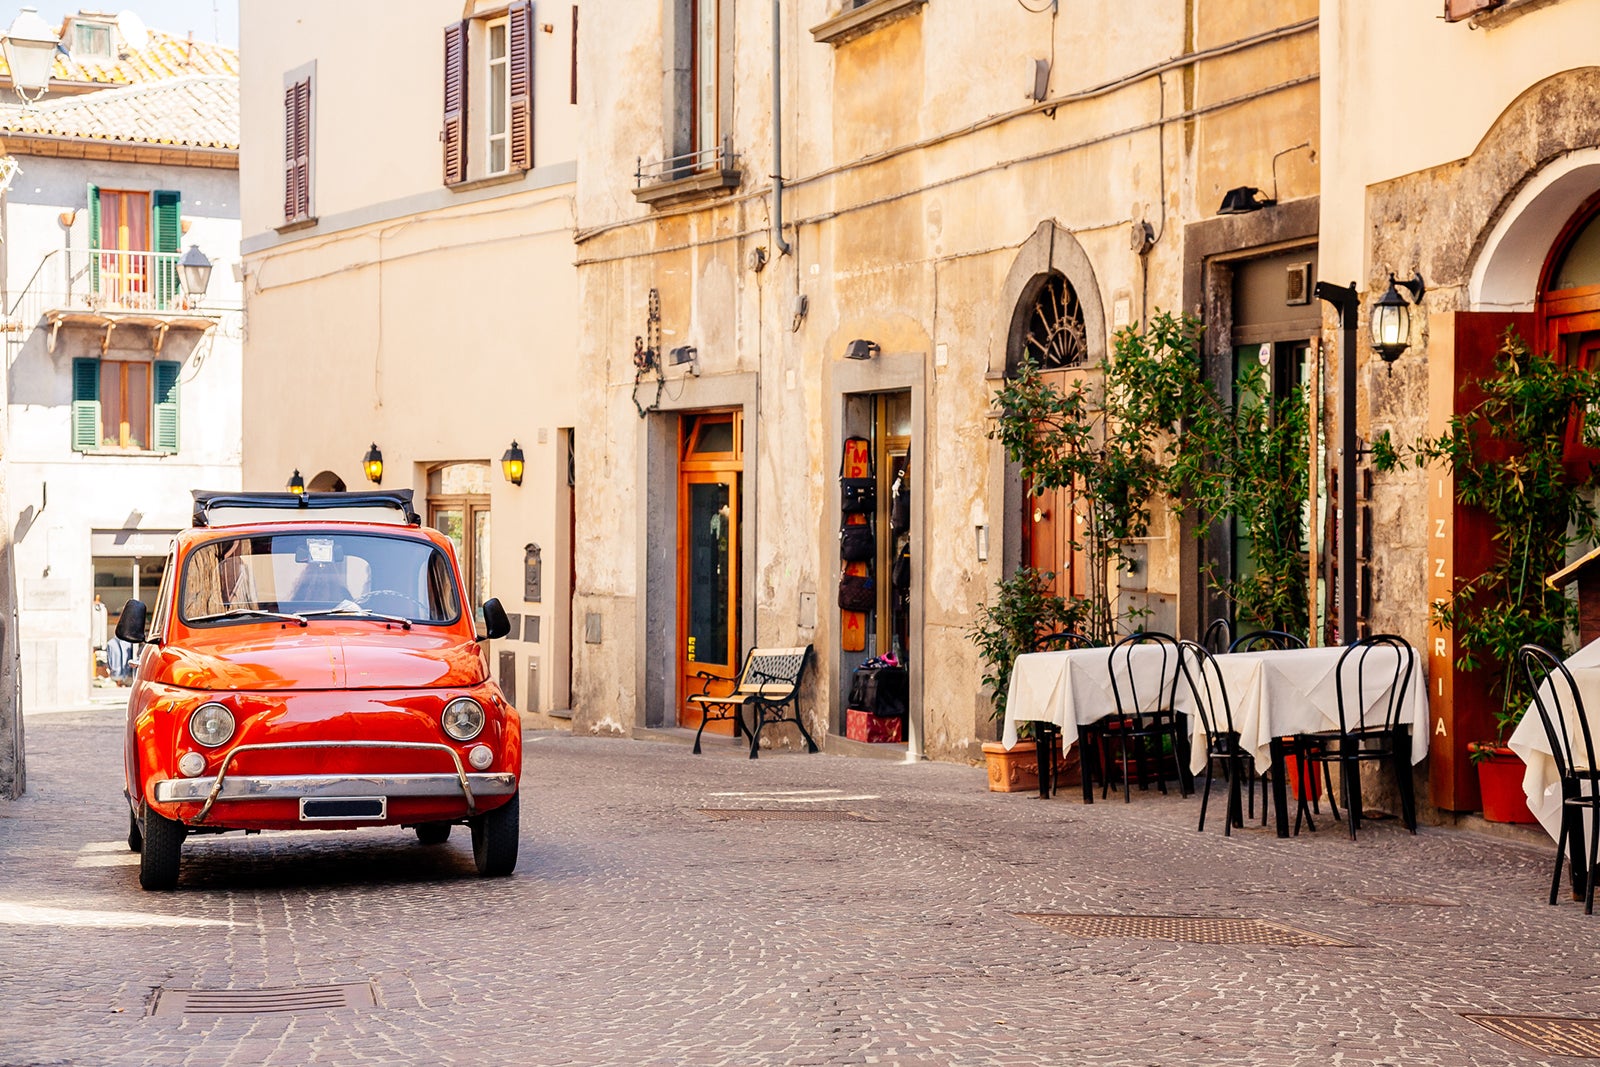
(495,623)
(131,624)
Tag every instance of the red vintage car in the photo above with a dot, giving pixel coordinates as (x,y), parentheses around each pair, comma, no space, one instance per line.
(311,661)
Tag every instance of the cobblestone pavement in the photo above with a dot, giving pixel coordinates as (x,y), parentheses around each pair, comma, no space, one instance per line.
(638,930)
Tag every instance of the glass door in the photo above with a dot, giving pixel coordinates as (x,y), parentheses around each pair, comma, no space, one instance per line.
(708,555)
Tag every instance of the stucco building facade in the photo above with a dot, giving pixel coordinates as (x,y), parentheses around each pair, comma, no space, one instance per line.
(928,219)
(122,383)
(407,246)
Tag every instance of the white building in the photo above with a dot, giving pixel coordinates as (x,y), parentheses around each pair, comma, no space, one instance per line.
(123,387)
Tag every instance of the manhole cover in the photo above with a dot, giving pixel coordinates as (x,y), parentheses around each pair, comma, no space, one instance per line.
(784,815)
(264,1001)
(1551,1034)
(1198,929)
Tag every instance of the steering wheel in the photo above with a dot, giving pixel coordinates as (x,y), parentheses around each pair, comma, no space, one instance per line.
(390,602)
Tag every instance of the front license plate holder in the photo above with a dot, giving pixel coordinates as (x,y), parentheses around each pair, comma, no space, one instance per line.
(343,809)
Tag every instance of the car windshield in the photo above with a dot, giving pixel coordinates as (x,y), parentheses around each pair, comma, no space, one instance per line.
(318,572)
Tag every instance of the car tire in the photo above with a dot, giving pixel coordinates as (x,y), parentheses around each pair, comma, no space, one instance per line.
(135,835)
(433,833)
(494,839)
(163,848)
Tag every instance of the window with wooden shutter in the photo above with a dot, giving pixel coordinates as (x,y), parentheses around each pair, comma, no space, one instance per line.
(85,405)
(520,18)
(455,103)
(167,221)
(165,396)
(1457,10)
(297,150)
(94,237)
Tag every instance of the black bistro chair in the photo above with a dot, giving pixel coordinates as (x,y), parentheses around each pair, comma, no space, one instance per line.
(1383,655)
(1218,636)
(1567,728)
(1265,641)
(1045,733)
(1200,672)
(1137,728)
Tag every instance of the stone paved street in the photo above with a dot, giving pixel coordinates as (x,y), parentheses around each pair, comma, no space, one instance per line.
(637,930)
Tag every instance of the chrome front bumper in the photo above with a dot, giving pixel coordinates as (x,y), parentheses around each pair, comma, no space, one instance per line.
(298,786)
(293,786)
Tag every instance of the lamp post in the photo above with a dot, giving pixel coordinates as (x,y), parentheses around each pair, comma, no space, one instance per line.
(194,270)
(29,46)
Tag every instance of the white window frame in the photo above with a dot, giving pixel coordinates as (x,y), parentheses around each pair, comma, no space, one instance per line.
(497,138)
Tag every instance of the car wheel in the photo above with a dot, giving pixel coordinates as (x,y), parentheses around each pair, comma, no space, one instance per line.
(494,839)
(163,846)
(433,833)
(135,837)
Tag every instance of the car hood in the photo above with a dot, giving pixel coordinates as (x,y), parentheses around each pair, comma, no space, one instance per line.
(320,658)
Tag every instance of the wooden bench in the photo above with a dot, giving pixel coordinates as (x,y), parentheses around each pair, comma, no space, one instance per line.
(768,683)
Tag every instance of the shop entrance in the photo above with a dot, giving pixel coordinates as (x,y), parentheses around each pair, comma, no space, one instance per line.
(710,470)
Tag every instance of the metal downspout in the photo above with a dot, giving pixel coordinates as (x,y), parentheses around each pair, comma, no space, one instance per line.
(777,135)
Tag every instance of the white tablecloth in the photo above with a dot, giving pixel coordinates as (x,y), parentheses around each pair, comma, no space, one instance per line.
(1271,694)
(1540,782)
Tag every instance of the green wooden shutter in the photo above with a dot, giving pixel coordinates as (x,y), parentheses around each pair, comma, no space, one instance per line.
(165,393)
(165,205)
(94,237)
(85,405)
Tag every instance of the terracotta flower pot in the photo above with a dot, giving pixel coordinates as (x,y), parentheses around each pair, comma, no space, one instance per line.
(1016,770)
(1500,781)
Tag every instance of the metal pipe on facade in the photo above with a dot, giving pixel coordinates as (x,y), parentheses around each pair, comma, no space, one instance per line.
(777,134)
(1348,303)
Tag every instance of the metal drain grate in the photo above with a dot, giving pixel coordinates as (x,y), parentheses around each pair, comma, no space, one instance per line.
(784,815)
(1198,929)
(264,1001)
(1554,1035)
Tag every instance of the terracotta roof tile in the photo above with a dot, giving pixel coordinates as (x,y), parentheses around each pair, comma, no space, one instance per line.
(164,56)
(195,112)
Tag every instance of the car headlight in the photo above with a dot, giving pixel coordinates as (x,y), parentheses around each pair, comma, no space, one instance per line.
(462,718)
(211,725)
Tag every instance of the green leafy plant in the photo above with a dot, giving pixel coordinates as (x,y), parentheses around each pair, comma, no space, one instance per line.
(1153,425)
(1024,609)
(1507,457)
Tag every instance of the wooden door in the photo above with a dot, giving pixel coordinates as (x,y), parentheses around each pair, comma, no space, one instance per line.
(708,559)
(1053,527)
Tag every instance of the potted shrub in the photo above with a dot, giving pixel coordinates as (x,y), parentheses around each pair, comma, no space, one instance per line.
(1508,457)
(1025,607)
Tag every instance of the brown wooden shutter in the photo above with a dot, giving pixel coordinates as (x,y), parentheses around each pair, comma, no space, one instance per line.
(520,57)
(1457,10)
(297,151)
(455,103)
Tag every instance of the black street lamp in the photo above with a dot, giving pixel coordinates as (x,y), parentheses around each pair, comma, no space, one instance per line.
(194,269)
(511,464)
(1391,317)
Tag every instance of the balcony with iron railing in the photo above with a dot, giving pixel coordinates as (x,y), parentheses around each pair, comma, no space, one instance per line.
(688,176)
(104,289)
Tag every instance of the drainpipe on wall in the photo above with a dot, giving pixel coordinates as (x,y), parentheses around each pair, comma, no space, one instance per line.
(777,135)
(1348,303)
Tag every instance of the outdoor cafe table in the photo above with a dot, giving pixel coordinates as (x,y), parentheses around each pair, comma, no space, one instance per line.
(1541,782)
(1272,695)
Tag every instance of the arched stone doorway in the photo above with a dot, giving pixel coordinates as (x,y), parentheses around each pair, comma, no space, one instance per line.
(326,482)
(1056,319)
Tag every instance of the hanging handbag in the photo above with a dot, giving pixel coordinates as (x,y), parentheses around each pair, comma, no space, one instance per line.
(900,500)
(857,495)
(856,543)
(857,592)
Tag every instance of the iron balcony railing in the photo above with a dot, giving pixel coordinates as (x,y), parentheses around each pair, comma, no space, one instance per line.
(100,280)
(720,157)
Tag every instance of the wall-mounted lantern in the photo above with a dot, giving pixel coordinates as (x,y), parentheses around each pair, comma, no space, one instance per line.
(372,464)
(1391,317)
(511,464)
(296,484)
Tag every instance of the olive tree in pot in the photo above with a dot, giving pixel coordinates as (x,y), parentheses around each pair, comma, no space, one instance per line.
(1025,608)
(1507,455)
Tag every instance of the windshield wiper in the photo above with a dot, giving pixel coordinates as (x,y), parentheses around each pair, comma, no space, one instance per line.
(254,613)
(361,613)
